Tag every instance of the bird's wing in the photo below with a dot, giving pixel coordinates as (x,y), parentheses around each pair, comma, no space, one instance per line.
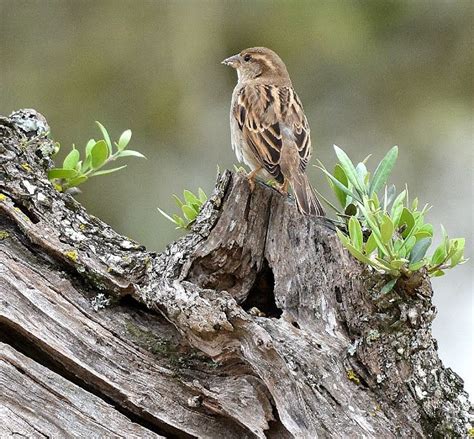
(266,114)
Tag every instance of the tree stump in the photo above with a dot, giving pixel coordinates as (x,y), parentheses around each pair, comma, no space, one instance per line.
(255,324)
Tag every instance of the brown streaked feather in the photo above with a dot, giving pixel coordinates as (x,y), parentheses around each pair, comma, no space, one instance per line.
(260,111)
(306,199)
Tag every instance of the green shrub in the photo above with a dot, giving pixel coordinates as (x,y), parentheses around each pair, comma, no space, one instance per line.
(190,207)
(97,155)
(383,229)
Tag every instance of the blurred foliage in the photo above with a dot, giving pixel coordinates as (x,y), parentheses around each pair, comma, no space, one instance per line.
(384,230)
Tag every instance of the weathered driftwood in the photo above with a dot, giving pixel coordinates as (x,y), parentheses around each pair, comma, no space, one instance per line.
(255,324)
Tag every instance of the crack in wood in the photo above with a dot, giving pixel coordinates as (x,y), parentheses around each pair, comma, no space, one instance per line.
(33,350)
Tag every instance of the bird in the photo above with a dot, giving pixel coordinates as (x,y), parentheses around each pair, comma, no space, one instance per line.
(269,129)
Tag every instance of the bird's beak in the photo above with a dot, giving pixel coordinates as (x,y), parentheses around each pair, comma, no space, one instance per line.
(232,61)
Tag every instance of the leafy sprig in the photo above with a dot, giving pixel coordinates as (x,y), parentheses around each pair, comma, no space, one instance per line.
(387,233)
(190,207)
(98,154)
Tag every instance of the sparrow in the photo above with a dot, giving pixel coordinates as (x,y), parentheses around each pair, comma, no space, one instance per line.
(269,130)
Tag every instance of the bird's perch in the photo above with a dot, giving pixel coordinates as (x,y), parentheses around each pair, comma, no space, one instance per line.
(101,338)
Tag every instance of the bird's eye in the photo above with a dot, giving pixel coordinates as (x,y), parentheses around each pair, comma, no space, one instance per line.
(247,58)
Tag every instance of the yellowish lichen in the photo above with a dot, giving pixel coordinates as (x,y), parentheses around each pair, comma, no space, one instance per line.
(17,209)
(375,411)
(82,226)
(351,375)
(72,255)
(26,167)
(470,432)
(3,235)
(3,197)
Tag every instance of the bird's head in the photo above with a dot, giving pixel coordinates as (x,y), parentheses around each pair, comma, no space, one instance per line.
(258,63)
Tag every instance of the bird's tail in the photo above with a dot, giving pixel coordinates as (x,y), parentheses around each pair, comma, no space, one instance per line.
(306,199)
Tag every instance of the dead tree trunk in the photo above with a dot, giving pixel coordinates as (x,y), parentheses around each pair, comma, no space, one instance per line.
(255,324)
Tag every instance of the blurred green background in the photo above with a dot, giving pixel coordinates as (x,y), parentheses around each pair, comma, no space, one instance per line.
(371,74)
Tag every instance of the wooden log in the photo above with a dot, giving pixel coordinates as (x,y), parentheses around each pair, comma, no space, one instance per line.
(257,323)
(40,402)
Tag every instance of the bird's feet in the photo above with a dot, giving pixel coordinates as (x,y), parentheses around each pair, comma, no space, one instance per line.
(251,181)
(251,178)
(282,188)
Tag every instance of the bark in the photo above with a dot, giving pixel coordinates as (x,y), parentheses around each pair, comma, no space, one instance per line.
(255,324)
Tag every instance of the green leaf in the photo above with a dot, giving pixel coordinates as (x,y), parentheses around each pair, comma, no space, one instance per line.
(106,136)
(402,253)
(387,267)
(77,181)
(374,227)
(397,244)
(370,245)
(419,250)
(166,216)
(109,171)
(349,168)
(71,159)
(406,218)
(190,197)
(178,201)
(439,254)
(124,140)
(459,242)
(99,154)
(341,176)
(178,219)
(352,250)
(355,233)
(425,229)
(398,263)
(89,146)
(344,239)
(362,173)
(181,223)
(417,265)
(87,163)
(437,273)
(189,212)
(202,196)
(390,192)
(420,235)
(61,173)
(383,170)
(374,200)
(340,185)
(397,208)
(386,229)
(388,286)
(130,152)
(458,254)
(409,244)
